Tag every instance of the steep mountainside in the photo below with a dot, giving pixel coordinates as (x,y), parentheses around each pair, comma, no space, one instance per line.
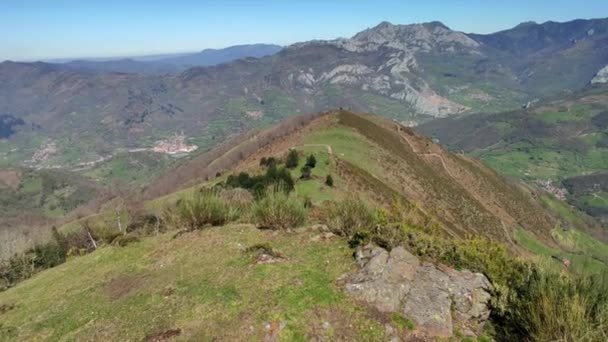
(407,72)
(558,142)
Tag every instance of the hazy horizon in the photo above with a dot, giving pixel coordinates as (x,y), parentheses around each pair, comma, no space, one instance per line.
(40,30)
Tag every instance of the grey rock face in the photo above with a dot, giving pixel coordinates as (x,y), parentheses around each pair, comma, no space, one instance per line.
(434,297)
(602,76)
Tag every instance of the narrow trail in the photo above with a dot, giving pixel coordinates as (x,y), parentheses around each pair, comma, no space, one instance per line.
(449,172)
(431,154)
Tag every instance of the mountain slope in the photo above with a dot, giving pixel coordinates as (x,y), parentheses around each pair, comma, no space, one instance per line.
(560,141)
(383,161)
(293,283)
(407,72)
(209,57)
(31,200)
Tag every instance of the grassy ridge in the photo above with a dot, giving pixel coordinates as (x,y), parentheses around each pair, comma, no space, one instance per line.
(165,283)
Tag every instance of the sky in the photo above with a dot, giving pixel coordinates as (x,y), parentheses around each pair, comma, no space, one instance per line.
(47,29)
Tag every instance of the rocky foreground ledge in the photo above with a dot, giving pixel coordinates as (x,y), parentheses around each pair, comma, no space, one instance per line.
(436,298)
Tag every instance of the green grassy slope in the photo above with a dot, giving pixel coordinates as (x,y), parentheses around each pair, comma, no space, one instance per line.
(555,141)
(46,193)
(203,283)
(208,286)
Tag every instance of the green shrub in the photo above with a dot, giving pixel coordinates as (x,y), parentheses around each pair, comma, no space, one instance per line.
(306,172)
(257,184)
(329,181)
(347,217)
(557,307)
(292,159)
(528,302)
(203,208)
(277,210)
(311,161)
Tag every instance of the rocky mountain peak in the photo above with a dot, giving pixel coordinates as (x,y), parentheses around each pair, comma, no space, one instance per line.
(414,37)
(601,76)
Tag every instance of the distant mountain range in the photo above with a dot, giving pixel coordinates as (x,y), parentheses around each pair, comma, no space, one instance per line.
(411,73)
(177,62)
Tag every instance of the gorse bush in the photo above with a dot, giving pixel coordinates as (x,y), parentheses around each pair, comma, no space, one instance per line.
(278,210)
(349,216)
(259,183)
(556,307)
(205,207)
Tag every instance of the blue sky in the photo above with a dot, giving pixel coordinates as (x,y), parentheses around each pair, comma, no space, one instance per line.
(43,29)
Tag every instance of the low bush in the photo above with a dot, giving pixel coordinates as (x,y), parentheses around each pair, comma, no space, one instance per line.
(329,181)
(258,184)
(311,161)
(349,216)
(292,159)
(125,240)
(278,210)
(306,172)
(529,303)
(205,207)
(146,224)
(556,307)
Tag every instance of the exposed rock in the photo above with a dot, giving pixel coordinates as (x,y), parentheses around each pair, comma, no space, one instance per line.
(320,227)
(322,237)
(415,37)
(434,297)
(602,76)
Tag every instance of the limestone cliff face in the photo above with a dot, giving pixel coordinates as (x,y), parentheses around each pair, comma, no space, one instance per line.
(390,66)
(601,77)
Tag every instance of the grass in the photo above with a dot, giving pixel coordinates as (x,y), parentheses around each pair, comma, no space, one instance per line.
(586,262)
(598,199)
(545,161)
(349,145)
(200,282)
(131,168)
(314,188)
(575,113)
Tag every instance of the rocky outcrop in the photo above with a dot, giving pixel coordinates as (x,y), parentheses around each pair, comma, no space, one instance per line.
(601,77)
(435,298)
(397,76)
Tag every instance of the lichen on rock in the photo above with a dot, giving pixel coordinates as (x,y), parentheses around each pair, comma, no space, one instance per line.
(435,297)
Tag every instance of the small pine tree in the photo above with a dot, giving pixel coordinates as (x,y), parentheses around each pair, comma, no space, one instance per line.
(263,161)
(311,161)
(292,159)
(329,181)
